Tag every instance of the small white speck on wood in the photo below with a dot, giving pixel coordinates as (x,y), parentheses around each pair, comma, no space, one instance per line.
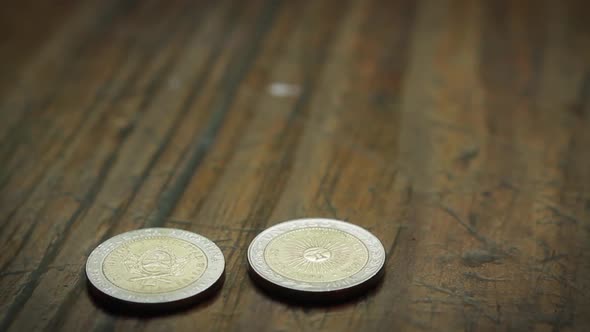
(282,89)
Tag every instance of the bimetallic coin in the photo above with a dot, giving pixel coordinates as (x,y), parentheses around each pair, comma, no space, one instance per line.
(316,255)
(155,265)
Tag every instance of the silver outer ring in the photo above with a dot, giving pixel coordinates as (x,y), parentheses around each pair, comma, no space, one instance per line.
(214,270)
(261,267)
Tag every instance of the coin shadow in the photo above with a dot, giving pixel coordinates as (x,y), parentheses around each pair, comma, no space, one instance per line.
(308,300)
(120,308)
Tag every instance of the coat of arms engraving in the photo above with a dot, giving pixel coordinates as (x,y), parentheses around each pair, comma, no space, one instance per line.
(155,266)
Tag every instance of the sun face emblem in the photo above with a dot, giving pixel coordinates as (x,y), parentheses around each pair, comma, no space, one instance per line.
(155,266)
(316,254)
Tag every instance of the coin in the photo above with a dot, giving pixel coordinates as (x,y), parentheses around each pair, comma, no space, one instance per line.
(155,265)
(316,255)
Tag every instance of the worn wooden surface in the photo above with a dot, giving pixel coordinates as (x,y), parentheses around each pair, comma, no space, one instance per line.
(458,132)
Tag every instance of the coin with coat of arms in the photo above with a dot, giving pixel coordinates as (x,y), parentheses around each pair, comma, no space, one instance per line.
(316,255)
(155,265)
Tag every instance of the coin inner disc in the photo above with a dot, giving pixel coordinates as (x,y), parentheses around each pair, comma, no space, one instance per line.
(316,254)
(156,264)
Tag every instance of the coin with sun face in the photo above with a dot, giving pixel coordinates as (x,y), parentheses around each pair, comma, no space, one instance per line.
(316,255)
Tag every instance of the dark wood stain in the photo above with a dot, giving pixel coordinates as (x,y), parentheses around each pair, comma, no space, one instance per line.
(456,131)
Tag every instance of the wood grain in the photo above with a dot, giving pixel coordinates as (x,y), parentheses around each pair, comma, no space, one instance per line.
(458,132)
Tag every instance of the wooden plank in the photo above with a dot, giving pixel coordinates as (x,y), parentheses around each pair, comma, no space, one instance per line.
(456,131)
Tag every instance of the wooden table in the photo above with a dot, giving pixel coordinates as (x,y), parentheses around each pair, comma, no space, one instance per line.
(458,132)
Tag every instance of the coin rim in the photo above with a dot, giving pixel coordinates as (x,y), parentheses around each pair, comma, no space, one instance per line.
(374,264)
(214,270)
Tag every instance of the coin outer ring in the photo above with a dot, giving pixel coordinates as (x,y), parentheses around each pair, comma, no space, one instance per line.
(214,270)
(372,267)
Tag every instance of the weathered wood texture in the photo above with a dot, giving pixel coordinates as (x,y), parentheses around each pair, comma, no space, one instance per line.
(458,132)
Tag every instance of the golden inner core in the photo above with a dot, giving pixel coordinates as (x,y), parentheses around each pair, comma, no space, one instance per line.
(316,254)
(154,265)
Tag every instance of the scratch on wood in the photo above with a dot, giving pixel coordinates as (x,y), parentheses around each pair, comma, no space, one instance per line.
(479,277)
(465,225)
(552,258)
(562,214)
(467,155)
(466,299)
(490,252)
(479,257)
